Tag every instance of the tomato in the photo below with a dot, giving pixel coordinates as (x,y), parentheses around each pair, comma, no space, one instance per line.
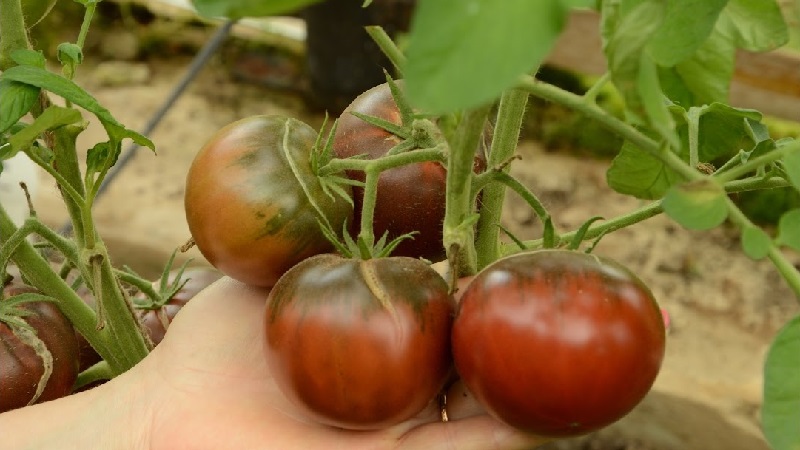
(360,344)
(21,368)
(556,342)
(411,197)
(247,199)
(157,320)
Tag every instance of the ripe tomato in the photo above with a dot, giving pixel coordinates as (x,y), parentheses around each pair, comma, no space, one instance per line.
(157,321)
(21,368)
(360,344)
(247,199)
(556,342)
(411,197)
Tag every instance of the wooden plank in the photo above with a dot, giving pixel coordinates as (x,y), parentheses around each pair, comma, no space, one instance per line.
(768,82)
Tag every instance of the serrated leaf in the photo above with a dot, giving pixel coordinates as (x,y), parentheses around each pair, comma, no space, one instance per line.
(51,118)
(687,24)
(236,9)
(789,229)
(27,57)
(699,205)
(16,99)
(41,78)
(781,411)
(635,172)
(724,130)
(464,53)
(791,164)
(755,242)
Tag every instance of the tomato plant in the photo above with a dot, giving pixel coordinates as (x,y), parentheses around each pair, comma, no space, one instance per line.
(558,342)
(38,350)
(360,344)
(253,203)
(410,198)
(180,287)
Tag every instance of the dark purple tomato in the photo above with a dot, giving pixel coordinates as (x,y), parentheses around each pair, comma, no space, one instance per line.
(556,342)
(21,367)
(360,344)
(411,197)
(250,199)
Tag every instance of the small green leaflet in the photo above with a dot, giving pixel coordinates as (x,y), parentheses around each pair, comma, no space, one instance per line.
(699,205)
(27,57)
(236,9)
(635,172)
(464,53)
(789,230)
(755,242)
(791,164)
(64,87)
(686,25)
(51,118)
(781,411)
(16,99)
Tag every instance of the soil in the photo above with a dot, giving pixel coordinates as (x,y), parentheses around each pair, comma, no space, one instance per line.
(725,308)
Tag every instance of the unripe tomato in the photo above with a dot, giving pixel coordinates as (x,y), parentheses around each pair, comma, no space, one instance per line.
(411,197)
(249,195)
(556,342)
(21,367)
(360,344)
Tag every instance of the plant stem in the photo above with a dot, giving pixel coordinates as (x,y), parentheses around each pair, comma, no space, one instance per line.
(504,143)
(753,164)
(784,266)
(87,20)
(591,94)
(13,35)
(384,163)
(458,235)
(388,47)
(97,372)
(693,121)
(366,233)
(624,130)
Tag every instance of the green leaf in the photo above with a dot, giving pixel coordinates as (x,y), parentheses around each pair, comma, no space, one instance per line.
(26,57)
(16,99)
(463,53)
(704,77)
(635,172)
(627,28)
(654,102)
(699,205)
(781,411)
(791,164)
(64,87)
(755,242)
(686,26)
(754,25)
(236,9)
(789,230)
(101,157)
(724,130)
(51,118)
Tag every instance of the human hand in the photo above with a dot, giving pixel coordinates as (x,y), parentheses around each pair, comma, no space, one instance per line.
(207,386)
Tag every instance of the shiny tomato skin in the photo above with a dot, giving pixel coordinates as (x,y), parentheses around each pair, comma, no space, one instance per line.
(360,344)
(411,197)
(558,343)
(247,209)
(21,368)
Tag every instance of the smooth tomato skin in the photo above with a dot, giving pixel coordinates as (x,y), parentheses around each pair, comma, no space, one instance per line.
(360,344)
(21,368)
(558,343)
(246,209)
(411,197)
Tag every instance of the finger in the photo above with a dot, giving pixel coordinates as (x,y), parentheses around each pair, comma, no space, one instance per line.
(461,404)
(474,433)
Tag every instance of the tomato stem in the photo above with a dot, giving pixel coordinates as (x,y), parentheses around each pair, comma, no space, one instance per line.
(458,233)
(387,46)
(504,142)
(13,35)
(366,234)
(753,164)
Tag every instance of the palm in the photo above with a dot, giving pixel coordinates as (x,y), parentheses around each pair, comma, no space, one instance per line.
(213,389)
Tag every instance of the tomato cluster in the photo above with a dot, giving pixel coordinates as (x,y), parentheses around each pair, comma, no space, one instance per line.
(553,342)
